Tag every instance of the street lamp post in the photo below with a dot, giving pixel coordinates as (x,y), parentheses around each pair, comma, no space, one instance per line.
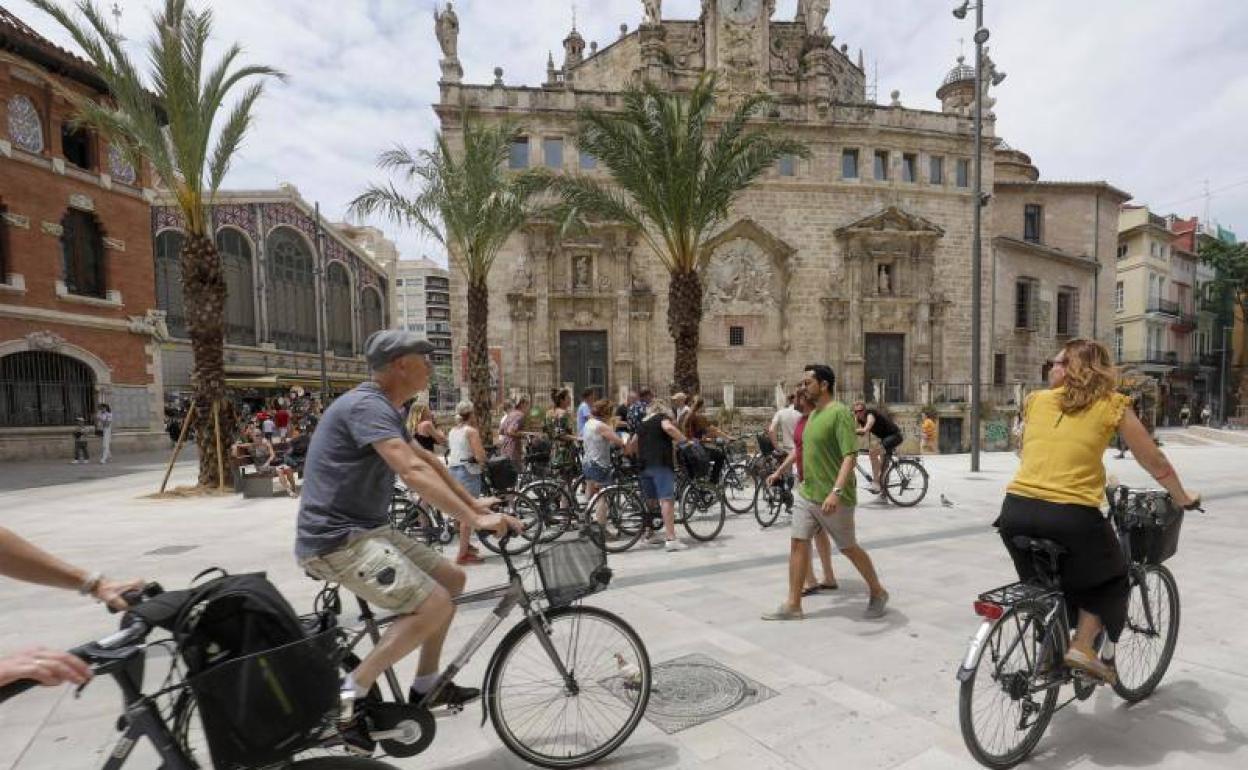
(977,257)
(1222,399)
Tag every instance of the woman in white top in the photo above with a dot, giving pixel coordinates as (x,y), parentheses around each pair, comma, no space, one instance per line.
(466,462)
(597,439)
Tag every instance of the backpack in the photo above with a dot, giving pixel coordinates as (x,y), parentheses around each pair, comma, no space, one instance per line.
(694,459)
(262,685)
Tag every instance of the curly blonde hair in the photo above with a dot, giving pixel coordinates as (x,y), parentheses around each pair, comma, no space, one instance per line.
(1090,375)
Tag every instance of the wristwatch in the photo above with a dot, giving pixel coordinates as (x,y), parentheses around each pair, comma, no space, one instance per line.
(837,491)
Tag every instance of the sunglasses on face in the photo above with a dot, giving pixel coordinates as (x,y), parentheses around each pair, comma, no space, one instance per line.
(1057,362)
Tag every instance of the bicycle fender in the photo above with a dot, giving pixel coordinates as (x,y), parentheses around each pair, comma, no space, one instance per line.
(974,650)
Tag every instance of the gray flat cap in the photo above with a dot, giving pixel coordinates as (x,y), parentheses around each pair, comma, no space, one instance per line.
(386,345)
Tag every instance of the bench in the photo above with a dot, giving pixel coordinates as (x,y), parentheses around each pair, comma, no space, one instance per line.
(252,483)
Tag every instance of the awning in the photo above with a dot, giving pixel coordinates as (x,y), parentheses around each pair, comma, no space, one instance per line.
(285,381)
(258,381)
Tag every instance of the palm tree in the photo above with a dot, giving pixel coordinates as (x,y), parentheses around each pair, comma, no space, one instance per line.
(674,180)
(471,204)
(168,118)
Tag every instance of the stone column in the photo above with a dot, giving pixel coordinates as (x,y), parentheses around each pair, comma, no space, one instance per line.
(262,277)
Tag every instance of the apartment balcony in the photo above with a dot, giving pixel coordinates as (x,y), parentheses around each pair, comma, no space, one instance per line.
(1150,359)
(1164,307)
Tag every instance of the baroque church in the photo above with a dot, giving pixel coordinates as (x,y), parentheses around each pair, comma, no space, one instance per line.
(859,256)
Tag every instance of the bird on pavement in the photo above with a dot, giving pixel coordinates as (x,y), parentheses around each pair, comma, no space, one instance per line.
(945,501)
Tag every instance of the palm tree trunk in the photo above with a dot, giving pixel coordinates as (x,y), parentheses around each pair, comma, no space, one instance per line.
(479,358)
(203,291)
(684,315)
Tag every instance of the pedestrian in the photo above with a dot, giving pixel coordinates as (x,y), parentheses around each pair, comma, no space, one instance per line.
(597,439)
(929,432)
(782,475)
(783,423)
(466,462)
(655,436)
(1185,414)
(80,442)
(558,429)
(638,409)
(426,432)
(511,433)
(1206,414)
(508,405)
(104,429)
(827,496)
(268,426)
(621,413)
(282,421)
(585,409)
(680,404)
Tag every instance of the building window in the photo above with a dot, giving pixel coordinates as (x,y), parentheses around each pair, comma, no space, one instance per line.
(76,146)
(787,165)
(169,281)
(519,157)
(1033,214)
(398,282)
(371,316)
(82,254)
(338,309)
(909,167)
(1119,296)
(936,170)
(849,163)
(552,152)
(292,292)
(25,127)
(963,173)
(240,286)
(1118,344)
(998,368)
(736,336)
(881,165)
(1067,322)
(1122,251)
(1026,304)
(588,162)
(39,388)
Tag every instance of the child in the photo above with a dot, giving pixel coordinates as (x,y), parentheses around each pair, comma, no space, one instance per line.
(929,434)
(80,443)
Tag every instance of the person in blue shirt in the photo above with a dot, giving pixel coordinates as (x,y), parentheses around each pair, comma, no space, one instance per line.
(585,410)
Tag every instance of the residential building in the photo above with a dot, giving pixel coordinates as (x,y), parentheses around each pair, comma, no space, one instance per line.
(422,304)
(859,255)
(78,320)
(296,288)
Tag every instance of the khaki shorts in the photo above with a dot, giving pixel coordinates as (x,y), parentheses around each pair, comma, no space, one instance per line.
(809,518)
(384,567)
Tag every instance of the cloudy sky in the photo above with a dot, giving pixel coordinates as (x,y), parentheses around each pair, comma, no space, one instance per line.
(1151,95)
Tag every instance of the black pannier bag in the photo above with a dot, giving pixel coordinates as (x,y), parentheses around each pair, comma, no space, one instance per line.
(264,687)
(694,459)
(501,473)
(538,451)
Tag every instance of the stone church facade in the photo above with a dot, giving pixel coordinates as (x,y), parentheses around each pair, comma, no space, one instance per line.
(859,256)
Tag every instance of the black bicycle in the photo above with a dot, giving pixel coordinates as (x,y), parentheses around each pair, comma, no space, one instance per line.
(1013,670)
(905,479)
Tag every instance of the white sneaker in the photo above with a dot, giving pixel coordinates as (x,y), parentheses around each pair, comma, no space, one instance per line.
(654,538)
(671,546)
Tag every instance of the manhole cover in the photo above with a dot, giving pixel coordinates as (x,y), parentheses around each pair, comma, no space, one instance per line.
(171,550)
(695,689)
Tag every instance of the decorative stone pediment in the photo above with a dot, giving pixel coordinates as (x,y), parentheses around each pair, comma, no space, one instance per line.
(745,282)
(894,221)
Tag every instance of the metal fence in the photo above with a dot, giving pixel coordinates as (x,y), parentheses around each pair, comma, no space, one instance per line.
(39,388)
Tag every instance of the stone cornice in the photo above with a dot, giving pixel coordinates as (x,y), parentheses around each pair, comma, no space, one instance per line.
(1047,252)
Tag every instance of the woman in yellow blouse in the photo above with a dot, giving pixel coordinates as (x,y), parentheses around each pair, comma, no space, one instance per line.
(1060,486)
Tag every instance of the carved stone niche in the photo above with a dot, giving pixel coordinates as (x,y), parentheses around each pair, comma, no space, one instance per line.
(889,254)
(745,282)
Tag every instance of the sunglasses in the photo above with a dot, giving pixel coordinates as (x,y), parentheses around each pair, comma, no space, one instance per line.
(1057,362)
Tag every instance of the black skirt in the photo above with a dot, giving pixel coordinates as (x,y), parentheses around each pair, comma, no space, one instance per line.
(1094,570)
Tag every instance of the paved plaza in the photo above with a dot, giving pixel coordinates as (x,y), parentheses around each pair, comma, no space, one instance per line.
(834,690)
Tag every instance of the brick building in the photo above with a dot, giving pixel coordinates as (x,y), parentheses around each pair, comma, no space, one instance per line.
(77,319)
(859,255)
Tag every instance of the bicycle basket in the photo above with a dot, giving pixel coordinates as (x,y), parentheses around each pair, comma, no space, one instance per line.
(695,460)
(572,570)
(263,708)
(501,472)
(1152,524)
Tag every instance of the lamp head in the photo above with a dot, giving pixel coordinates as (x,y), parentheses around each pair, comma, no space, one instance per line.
(981,35)
(960,11)
(998,78)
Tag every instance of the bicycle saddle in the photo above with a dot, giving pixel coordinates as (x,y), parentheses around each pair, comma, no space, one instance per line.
(1039,545)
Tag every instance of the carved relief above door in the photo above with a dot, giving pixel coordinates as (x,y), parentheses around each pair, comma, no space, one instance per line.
(745,277)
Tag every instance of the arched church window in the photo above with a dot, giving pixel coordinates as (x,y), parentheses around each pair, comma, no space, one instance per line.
(240,291)
(292,292)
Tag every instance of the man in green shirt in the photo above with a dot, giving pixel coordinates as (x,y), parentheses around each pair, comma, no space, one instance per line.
(827,496)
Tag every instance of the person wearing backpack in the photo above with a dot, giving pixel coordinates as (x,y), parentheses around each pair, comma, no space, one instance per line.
(344,533)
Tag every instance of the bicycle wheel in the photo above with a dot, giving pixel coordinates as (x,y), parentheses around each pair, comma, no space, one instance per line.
(740,488)
(553,721)
(1149,636)
(905,484)
(559,512)
(1004,705)
(768,502)
(702,510)
(528,509)
(621,513)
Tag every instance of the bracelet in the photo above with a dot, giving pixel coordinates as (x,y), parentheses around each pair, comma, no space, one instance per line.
(90,585)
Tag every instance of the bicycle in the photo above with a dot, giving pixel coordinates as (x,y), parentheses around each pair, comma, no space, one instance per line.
(702,500)
(770,499)
(736,481)
(1025,634)
(905,480)
(122,655)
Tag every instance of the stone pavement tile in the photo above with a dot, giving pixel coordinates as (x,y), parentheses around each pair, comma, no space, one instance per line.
(710,742)
(860,743)
(939,759)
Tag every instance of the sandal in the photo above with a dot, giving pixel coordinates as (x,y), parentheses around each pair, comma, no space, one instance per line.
(1090,664)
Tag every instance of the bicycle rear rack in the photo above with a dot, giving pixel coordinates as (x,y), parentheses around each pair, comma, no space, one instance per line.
(1018,593)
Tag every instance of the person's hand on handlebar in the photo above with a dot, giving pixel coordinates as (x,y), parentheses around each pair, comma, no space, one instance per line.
(500,524)
(1190,502)
(485,505)
(112,592)
(47,667)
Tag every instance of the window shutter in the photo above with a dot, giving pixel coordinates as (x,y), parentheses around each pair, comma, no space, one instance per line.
(1033,312)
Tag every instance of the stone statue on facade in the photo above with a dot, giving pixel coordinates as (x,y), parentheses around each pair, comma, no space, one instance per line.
(989,72)
(653,12)
(814,13)
(446,27)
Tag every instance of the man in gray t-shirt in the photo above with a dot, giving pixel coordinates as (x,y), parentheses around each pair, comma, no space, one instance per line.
(343,533)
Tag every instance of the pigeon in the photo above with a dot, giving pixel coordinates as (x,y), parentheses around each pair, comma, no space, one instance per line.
(945,501)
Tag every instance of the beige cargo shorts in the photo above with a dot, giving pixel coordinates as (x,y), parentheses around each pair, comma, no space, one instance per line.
(383,567)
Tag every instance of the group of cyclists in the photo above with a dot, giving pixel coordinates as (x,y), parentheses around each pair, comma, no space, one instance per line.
(344,533)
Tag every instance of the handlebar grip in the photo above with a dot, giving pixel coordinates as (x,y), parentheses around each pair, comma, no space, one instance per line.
(14,689)
(139,595)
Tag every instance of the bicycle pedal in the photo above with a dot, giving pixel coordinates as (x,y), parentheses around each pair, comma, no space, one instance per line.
(447,711)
